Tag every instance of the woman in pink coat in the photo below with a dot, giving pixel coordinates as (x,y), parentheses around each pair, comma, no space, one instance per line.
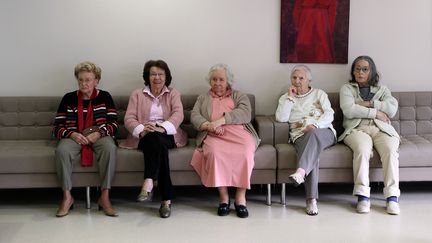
(153,117)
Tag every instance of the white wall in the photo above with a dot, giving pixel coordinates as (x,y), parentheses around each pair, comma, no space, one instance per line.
(41,41)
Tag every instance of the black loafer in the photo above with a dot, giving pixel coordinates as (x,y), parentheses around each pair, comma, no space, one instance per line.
(241,210)
(223,209)
(165,210)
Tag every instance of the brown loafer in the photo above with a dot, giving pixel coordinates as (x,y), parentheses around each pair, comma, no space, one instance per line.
(64,210)
(107,209)
(165,210)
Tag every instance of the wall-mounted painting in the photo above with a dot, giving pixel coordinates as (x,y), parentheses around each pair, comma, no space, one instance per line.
(314,31)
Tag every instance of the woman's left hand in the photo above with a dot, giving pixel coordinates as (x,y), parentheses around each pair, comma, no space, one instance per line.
(94,136)
(150,127)
(219,131)
(366,104)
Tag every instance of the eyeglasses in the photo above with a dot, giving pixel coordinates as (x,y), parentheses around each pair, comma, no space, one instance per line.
(361,69)
(84,81)
(157,74)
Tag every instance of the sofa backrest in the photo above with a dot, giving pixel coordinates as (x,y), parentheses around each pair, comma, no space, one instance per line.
(31,118)
(414,116)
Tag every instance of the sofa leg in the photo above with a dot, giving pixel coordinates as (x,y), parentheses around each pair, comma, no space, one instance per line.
(88,204)
(268,195)
(283,202)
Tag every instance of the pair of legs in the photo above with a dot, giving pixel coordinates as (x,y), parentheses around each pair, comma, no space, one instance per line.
(309,148)
(362,140)
(239,202)
(68,151)
(240,196)
(155,147)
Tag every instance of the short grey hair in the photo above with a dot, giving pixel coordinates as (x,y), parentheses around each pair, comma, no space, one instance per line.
(304,68)
(221,66)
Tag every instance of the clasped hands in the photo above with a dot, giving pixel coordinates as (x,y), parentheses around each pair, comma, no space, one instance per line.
(214,127)
(151,127)
(86,139)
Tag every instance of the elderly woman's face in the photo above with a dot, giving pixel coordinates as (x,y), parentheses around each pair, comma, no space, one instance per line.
(362,72)
(300,81)
(157,78)
(219,82)
(87,82)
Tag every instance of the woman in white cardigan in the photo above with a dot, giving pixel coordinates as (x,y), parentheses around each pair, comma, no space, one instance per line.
(309,114)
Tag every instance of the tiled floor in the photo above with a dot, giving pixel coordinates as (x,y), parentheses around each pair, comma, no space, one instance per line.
(28,216)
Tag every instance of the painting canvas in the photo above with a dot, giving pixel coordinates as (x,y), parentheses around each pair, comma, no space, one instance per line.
(314,31)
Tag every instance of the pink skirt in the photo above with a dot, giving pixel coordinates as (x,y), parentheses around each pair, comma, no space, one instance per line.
(226,160)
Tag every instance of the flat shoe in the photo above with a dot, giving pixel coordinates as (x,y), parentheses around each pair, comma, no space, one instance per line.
(296,179)
(145,196)
(393,208)
(61,212)
(224,209)
(165,210)
(312,208)
(363,206)
(241,210)
(108,210)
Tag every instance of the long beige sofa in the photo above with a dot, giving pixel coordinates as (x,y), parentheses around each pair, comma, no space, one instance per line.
(413,122)
(27,149)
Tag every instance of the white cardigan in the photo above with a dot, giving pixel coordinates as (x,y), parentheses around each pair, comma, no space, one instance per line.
(312,108)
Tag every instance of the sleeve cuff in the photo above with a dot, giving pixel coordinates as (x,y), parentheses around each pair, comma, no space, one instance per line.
(137,130)
(169,127)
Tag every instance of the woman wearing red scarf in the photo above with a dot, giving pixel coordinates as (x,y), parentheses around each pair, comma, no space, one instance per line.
(86,122)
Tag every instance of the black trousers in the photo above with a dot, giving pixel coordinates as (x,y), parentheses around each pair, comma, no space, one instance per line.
(155,147)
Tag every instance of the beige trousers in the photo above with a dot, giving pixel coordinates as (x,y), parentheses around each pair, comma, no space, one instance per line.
(104,154)
(362,140)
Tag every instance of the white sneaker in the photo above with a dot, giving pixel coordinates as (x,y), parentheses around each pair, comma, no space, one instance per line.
(363,206)
(393,208)
(312,208)
(296,178)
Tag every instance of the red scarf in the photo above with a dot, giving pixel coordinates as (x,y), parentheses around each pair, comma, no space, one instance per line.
(86,150)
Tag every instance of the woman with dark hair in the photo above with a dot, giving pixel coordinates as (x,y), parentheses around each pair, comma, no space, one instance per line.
(153,117)
(367,107)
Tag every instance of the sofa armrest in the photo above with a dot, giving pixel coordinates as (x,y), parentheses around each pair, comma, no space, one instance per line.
(281,131)
(265,130)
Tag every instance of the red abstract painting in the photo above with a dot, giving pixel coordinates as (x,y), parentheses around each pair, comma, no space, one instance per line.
(314,31)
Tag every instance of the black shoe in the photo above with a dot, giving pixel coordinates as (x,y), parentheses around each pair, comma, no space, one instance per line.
(224,209)
(241,210)
(165,210)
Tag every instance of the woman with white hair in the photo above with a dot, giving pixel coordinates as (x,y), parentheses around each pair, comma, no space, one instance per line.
(309,114)
(226,141)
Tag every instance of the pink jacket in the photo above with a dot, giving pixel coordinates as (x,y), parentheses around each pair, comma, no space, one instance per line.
(138,112)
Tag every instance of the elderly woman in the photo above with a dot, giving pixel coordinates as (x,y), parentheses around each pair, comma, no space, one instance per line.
(367,106)
(153,119)
(86,122)
(309,114)
(226,140)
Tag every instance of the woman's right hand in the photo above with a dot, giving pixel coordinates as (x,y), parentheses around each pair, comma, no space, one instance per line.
(292,91)
(79,138)
(382,116)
